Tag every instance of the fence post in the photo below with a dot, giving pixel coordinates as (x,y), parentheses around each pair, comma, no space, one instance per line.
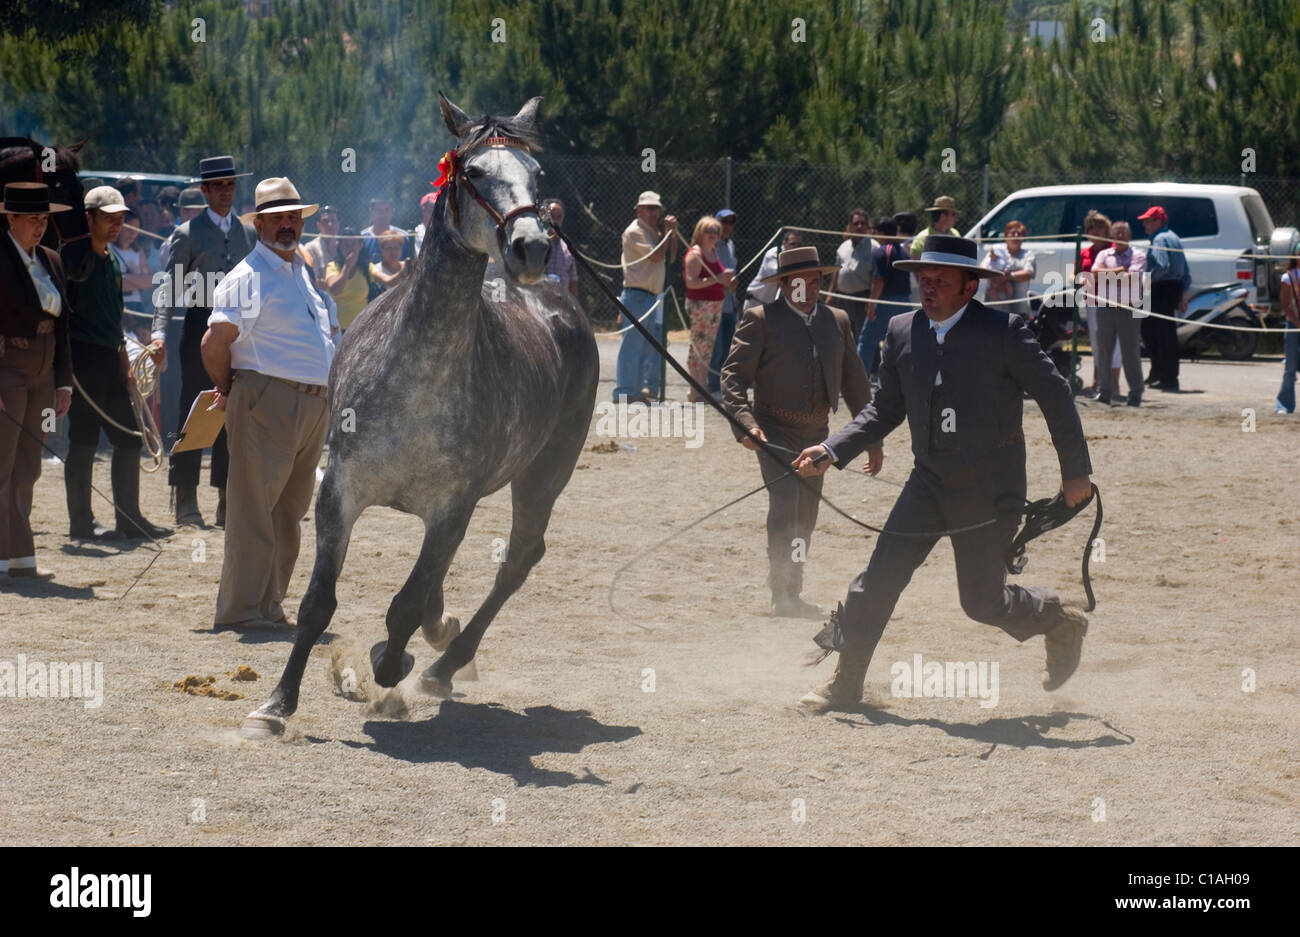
(984,205)
(1076,383)
(726,196)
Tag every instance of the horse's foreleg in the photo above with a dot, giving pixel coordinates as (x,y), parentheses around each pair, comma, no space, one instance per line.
(407,611)
(333,531)
(527,546)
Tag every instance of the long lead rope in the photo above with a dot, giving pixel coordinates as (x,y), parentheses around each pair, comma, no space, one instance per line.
(767,448)
(1029,509)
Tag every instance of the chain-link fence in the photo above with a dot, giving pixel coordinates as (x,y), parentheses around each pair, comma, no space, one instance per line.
(600,193)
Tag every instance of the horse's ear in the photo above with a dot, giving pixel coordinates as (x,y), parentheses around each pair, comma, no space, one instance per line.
(527,115)
(76,147)
(457,121)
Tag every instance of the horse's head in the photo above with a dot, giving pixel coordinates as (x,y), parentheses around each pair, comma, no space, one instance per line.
(492,189)
(25,160)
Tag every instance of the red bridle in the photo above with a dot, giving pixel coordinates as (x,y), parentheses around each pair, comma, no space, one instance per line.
(453,172)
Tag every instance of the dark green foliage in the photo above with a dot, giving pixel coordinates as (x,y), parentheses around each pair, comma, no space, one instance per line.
(863,110)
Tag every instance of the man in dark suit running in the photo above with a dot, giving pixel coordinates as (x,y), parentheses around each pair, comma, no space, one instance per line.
(957,371)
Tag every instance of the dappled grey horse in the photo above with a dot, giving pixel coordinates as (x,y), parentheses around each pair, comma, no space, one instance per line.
(439,397)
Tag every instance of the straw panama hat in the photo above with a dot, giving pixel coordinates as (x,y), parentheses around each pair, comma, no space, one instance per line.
(277,194)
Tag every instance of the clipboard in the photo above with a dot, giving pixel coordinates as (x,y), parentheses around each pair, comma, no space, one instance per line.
(202,426)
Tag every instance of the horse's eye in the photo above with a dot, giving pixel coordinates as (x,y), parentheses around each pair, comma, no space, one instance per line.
(474,172)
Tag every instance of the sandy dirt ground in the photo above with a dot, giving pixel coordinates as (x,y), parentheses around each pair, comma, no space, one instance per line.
(671,718)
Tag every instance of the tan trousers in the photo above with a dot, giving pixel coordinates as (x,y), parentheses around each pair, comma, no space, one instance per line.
(27,388)
(275,434)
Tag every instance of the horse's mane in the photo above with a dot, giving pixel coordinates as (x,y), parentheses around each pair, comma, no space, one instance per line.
(487,127)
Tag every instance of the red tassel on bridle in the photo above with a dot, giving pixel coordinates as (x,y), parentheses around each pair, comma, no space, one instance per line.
(446,166)
(449,168)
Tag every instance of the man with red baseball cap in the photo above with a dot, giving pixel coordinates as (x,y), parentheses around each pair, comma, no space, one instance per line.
(1170,279)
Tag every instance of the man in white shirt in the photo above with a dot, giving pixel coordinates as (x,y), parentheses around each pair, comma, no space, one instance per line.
(762,290)
(268,351)
(854,276)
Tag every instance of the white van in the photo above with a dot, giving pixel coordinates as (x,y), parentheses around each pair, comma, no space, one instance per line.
(1217,224)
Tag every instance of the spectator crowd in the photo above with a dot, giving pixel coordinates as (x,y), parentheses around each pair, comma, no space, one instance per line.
(77,340)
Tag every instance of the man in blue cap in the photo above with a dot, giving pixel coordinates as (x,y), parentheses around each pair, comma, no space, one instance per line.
(727,324)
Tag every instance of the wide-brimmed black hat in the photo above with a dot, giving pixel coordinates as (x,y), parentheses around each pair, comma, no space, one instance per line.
(218,167)
(29,198)
(948,250)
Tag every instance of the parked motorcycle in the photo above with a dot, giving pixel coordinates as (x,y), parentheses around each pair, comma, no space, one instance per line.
(1225,303)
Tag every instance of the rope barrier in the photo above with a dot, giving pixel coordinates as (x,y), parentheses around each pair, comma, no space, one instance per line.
(657,302)
(619,266)
(1226,251)
(1113,304)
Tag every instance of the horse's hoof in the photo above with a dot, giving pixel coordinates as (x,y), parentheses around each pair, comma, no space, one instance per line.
(384,678)
(435,685)
(441,633)
(260,725)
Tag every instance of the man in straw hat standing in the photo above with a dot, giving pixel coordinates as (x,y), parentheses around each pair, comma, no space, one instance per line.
(943,215)
(199,253)
(798,356)
(644,268)
(268,350)
(957,371)
(35,364)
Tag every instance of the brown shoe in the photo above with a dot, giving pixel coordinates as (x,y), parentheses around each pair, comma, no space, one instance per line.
(844,690)
(1064,646)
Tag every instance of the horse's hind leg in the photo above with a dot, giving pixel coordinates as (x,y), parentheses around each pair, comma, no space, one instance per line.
(442,536)
(532,498)
(334,521)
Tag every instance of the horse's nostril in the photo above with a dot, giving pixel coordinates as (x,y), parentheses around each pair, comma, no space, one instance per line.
(520,248)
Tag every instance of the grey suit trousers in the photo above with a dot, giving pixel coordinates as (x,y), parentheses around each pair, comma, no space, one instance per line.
(939,497)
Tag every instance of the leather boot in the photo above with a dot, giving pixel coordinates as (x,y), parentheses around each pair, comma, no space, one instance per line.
(187,506)
(221,508)
(844,690)
(78,470)
(126,494)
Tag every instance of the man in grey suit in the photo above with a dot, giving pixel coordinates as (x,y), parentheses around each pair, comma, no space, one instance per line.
(957,371)
(206,246)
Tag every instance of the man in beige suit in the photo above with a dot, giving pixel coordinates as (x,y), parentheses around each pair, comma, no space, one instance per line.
(798,356)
